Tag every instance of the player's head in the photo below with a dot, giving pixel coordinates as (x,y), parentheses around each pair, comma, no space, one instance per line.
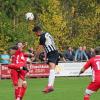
(97,50)
(37,30)
(19,44)
(13,50)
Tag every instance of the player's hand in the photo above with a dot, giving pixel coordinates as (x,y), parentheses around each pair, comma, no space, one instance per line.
(25,68)
(82,71)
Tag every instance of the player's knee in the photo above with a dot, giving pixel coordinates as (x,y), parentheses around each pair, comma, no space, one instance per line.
(24,84)
(20,82)
(89,92)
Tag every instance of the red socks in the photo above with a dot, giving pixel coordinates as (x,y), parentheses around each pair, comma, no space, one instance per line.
(20,89)
(23,92)
(87,97)
(16,93)
(20,92)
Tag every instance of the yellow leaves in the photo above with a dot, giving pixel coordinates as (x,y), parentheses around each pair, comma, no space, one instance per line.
(69,21)
(57,19)
(3,41)
(98,10)
(54,4)
(53,22)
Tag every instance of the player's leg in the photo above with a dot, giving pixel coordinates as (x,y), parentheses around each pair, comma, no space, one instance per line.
(19,95)
(88,93)
(24,88)
(92,87)
(52,61)
(22,85)
(51,78)
(14,77)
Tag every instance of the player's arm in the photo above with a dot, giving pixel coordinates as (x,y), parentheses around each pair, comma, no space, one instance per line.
(17,67)
(82,70)
(64,59)
(85,67)
(28,55)
(62,56)
(38,50)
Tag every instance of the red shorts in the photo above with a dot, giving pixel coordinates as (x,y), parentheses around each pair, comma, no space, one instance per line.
(15,75)
(94,86)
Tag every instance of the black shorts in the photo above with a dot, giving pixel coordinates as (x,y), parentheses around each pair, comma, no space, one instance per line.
(53,57)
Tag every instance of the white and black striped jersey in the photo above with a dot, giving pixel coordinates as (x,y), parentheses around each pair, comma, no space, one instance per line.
(48,42)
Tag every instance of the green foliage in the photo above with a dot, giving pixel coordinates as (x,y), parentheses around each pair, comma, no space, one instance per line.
(71,22)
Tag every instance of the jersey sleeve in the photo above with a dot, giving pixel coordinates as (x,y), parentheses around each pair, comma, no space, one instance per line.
(88,64)
(42,40)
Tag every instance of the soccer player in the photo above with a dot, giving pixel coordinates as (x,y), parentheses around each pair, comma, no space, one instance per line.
(47,43)
(94,63)
(18,72)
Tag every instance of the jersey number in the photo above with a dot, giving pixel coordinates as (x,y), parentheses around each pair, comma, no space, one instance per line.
(98,65)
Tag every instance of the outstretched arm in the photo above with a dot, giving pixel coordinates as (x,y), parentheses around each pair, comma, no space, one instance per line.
(17,66)
(86,66)
(82,70)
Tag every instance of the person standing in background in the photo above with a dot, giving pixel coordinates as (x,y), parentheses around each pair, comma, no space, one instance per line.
(69,54)
(80,54)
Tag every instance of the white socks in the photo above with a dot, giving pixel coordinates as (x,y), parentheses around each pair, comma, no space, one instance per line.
(51,77)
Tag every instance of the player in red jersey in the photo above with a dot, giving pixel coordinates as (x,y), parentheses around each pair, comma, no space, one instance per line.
(17,72)
(94,63)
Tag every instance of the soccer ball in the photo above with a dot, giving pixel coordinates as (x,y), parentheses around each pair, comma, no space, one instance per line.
(29,16)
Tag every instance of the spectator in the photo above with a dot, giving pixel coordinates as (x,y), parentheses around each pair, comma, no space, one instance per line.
(5,58)
(69,54)
(80,54)
(91,53)
(86,51)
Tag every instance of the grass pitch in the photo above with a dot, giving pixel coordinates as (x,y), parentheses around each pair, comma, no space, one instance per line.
(66,88)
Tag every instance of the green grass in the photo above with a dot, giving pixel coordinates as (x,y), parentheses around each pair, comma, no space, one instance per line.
(66,88)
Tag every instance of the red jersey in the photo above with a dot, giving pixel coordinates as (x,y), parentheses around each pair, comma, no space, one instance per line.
(18,57)
(94,63)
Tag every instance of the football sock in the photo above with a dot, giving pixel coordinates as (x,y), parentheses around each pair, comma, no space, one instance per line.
(51,77)
(86,97)
(16,93)
(23,91)
(20,90)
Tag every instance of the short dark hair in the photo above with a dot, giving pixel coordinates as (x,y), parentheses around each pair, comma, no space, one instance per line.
(36,29)
(97,50)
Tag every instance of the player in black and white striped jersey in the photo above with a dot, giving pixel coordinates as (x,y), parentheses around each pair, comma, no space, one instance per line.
(47,42)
